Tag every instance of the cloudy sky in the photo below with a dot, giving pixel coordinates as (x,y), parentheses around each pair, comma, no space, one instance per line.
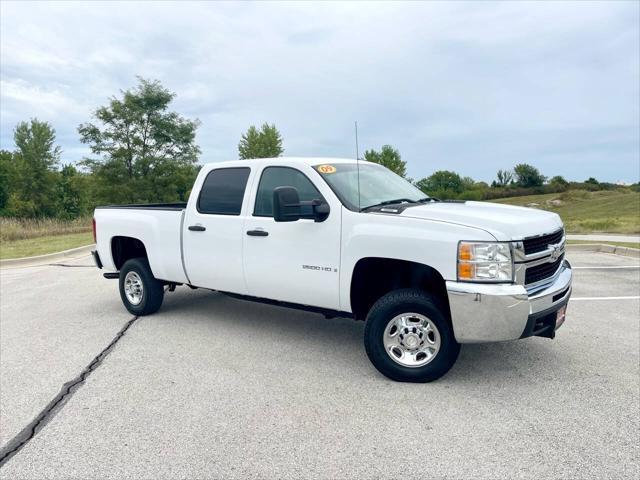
(471,87)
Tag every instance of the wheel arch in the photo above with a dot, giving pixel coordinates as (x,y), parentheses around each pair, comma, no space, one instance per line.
(374,277)
(124,248)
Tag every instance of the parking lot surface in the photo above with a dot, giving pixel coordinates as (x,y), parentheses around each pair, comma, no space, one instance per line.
(213,387)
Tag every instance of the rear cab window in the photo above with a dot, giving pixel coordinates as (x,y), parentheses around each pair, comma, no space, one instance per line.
(223,190)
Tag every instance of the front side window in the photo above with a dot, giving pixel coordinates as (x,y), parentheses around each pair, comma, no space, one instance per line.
(223,190)
(273,177)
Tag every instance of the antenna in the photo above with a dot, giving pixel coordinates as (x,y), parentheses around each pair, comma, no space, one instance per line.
(358,165)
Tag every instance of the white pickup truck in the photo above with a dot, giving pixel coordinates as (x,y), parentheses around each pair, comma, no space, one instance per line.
(347,238)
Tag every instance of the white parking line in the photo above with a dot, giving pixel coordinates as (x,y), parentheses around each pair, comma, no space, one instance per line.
(631,297)
(596,268)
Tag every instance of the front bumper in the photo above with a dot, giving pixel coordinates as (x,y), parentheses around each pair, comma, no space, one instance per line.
(499,312)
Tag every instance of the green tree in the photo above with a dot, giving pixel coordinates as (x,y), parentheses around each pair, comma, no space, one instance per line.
(36,161)
(592,181)
(558,182)
(8,178)
(528,176)
(388,157)
(442,183)
(263,143)
(140,143)
(504,179)
(72,195)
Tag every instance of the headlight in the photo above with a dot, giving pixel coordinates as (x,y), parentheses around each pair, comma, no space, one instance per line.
(484,262)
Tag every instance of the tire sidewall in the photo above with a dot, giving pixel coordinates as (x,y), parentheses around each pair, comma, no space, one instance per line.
(151,288)
(409,301)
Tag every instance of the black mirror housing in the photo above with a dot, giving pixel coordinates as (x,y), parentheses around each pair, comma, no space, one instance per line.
(286,204)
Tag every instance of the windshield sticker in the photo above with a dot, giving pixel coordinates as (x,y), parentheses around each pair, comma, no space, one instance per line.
(326,169)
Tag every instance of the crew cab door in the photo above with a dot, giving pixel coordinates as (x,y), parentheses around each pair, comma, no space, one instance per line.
(295,262)
(213,230)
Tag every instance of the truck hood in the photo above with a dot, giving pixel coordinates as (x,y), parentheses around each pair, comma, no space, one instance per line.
(505,222)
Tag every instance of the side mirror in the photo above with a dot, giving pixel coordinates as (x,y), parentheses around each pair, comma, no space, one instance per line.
(286,204)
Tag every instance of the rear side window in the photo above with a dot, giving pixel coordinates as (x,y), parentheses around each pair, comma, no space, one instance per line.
(273,177)
(223,190)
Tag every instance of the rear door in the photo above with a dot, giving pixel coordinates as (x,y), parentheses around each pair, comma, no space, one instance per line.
(213,231)
(295,262)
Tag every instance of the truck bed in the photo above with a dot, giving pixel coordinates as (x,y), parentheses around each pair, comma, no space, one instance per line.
(149,206)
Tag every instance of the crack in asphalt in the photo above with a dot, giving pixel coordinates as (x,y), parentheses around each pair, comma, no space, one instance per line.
(55,405)
(67,265)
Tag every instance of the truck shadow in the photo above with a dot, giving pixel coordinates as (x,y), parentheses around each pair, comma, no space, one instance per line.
(341,338)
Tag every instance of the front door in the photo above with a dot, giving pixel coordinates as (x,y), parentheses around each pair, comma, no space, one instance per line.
(295,262)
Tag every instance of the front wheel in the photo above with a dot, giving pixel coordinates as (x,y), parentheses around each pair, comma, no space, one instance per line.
(409,338)
(140,292)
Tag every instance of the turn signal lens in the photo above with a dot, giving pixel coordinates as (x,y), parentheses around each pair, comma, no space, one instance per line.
(465,252)
(466,271)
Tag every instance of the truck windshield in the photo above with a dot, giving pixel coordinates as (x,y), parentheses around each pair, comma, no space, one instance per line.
(377,185)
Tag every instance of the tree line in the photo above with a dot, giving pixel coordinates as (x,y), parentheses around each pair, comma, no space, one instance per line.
(145,152)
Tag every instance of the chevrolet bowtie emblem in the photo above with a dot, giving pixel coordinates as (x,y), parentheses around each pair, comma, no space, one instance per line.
(555,254)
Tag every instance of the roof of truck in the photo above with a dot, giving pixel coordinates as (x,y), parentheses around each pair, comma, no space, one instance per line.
(305,160)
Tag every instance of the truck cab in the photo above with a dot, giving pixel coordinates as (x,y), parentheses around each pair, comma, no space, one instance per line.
(348,238)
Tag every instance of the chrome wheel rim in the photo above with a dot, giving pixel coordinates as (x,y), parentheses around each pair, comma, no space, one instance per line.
(411,340)
(133,288)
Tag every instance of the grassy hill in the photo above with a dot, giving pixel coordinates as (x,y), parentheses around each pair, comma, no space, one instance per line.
(589,212)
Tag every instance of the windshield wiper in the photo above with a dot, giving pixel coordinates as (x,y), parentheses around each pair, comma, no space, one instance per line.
(388,202)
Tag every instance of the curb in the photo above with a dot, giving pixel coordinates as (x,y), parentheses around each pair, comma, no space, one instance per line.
(599,247)
(50,257)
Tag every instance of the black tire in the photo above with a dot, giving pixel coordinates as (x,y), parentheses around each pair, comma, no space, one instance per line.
(152,289)
(405,301)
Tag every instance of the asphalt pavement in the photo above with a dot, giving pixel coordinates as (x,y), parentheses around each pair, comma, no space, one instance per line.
(213,387)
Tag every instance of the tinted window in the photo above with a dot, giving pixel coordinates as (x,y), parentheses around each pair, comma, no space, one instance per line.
(223,190)
(273,177)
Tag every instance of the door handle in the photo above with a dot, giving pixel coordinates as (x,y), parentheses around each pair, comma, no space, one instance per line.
(197,228)
(257,233)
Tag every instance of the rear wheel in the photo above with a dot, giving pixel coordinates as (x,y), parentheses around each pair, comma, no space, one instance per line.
(140,292)
(409,338)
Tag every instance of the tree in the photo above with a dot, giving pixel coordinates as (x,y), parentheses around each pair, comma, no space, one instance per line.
(528,176)
(7,178)
(71,193)
(36,160)
(505,178)
(441,181)
(140,142)
(388,157)
(558,181)
(263,143)
(592,181)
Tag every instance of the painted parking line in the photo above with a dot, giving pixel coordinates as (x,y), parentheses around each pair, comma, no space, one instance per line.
(630,297)
(607,267)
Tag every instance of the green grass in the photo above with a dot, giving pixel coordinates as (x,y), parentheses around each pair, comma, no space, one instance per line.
(42,245)
(589,212)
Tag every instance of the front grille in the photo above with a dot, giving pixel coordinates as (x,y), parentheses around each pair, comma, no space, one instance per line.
(540,244)
(542,271)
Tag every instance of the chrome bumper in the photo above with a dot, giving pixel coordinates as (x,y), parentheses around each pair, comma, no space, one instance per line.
(497,312)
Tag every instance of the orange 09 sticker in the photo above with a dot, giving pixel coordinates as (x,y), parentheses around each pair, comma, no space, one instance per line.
(326,169)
